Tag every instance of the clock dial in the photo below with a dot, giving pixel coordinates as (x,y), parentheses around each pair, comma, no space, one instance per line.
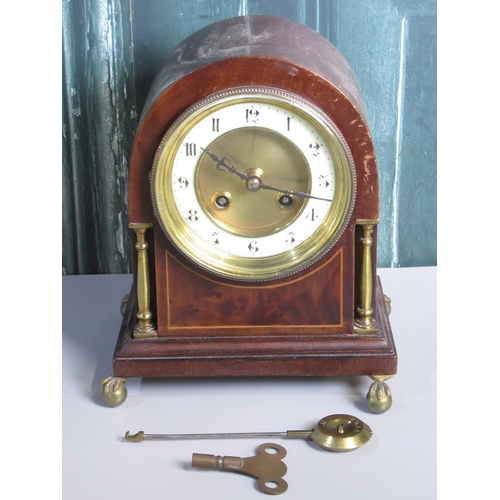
(253,184)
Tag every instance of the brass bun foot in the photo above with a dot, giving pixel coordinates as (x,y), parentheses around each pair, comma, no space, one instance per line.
(114,392)
(379,398)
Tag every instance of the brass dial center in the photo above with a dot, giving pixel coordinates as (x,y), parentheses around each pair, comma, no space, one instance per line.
(254,209)
(254,181)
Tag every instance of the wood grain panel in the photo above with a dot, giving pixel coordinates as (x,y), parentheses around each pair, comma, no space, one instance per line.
(280,355)
(316,299)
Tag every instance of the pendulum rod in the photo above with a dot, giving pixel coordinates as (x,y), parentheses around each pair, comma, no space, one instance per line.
(337,432)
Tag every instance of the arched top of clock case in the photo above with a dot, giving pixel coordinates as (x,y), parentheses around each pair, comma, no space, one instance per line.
(255,51)
(263,37)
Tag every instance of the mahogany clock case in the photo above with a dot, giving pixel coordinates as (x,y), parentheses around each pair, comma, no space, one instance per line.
(299,325)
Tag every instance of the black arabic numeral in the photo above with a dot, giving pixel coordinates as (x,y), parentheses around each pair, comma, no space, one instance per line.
(190,149)
(193,215)
(314,146)
(311,215)
(183,182)
(253,247)
(252,115)
(323,182)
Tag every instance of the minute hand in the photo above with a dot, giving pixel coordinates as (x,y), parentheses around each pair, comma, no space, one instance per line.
(298,194)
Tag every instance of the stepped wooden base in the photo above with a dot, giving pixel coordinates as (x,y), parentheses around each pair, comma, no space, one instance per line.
(290,355)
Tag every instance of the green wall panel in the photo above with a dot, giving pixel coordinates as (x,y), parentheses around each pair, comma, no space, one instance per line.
(415,194)
(113,48)
(159,26)
(98,126)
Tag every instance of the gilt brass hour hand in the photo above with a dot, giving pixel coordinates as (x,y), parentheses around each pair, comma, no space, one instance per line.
(254,182)
(222,164)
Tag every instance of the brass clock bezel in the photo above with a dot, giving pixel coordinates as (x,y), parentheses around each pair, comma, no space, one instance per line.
(236,267)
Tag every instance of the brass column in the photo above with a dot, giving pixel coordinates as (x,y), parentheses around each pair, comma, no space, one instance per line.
(364,322)
(144,327)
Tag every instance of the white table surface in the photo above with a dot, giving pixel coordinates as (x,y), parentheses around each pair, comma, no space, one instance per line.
(399,462)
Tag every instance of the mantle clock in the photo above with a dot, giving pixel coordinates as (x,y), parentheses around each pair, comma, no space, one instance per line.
(253,205)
